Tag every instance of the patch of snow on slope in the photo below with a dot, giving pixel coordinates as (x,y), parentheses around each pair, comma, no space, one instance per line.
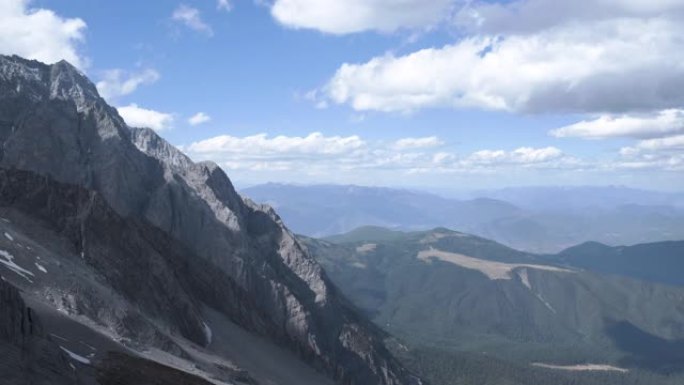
(41,268)
(584,367)
(208,334)
(76,357)
(545,302)
(366,248)
(492,269)
(524,278)
(9,236)
(9,262)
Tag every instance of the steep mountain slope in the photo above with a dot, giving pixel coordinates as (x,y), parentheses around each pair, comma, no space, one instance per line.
(611,216)
(485,298)
(661,262)
(28,354)
(158,245)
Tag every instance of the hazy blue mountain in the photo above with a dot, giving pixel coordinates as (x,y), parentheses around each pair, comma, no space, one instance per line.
(580,197)
(320,210)
(448,291)
(661,262)
(538,220)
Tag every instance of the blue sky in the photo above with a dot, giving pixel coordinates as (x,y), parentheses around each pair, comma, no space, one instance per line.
(434,93)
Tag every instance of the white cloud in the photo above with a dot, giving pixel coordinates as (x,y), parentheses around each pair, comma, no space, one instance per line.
(662,144)
(615,65)
(224,5)
(198,119)
(191,18)
(415,143)
(522,155)
(658,124)
(136,116)
(261,146)
(40,34)
(318,154)
(658,149)
(525,16)
(664,154)
(116,83)
(350,16)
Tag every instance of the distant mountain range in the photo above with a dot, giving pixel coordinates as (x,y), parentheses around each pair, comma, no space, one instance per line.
(451,294)
(558,198)
(532,219)
(661,262)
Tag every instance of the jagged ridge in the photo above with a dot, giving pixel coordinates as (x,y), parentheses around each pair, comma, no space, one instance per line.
(52,122)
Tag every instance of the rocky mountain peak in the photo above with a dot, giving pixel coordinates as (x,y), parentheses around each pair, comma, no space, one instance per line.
(39,81)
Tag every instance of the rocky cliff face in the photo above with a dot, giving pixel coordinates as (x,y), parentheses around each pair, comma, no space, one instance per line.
(28,356)
(136,197)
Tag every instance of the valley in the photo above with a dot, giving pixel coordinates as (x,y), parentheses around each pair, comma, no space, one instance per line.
(451,294)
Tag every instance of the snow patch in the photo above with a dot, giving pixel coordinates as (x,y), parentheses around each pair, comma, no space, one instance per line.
(5,220)
(9,236)
(58,337)
(583,367)
(8,261)
(366,248)
(41,267)
(208,334)
(76,357)
(546,303)
(524,278)
(492,269)
(434,237)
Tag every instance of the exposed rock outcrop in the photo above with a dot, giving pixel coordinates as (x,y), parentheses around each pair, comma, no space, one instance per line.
(28,356)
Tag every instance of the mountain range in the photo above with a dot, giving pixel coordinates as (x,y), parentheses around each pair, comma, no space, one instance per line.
(544,220)
(125,262)
(592,310)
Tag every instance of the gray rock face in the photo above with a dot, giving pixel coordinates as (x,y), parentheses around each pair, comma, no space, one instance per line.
(233,255)
(28,356)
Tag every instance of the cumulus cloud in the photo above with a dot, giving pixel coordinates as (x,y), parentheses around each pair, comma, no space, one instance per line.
(261,145)
(658,124)
(223,5)
(663,154)
(350,16)
(117,83)
(317,153)
(40,34)
(136,116)
(199,118)
(662,144)
(612,65)
(528,16)
(522,155)
(191,18)
(666,153)
(414,143)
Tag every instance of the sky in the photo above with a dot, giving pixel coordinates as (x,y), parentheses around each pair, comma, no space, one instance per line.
(459,94)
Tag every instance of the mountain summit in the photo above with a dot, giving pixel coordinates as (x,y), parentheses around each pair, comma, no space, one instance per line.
(156,254)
